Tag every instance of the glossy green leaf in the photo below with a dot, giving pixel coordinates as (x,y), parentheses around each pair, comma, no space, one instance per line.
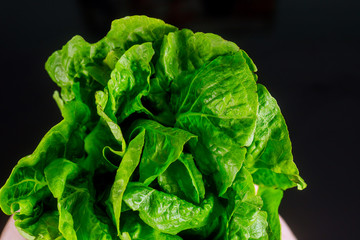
(26,184)
(183,51)
(269,155)
(165,212)
(57,173)
(134,228)
(246,220)
(103,104)
(130,80)
(127,166)
(45,228)
(218,103)
(75,63)
(128,31)
(163,146)
(183,179)
(78,219)
(271,199)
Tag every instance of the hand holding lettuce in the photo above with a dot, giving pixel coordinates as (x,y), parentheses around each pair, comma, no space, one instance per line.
(165,132)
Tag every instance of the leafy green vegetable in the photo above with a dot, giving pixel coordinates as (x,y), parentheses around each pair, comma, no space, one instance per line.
(135,228)
(130,80)
(127,167)
(46,227)
(165,132)
(271,198)
(219,104)
(246,221)
(162,147)
(173,180)
(164,212)
(270,153)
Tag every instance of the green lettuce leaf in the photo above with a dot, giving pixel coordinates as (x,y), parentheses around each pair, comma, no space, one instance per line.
(106,116)
(270,156)
(183,179)
(130,80)
(58,172)
(218,103)
(26,185)
(127,166)
(182,52)
(73,64)
(78,218)
(95,145)
(246,220)
(128,31)
(46,227)
(163,146)
(271,199)
(164,212)
(134,228)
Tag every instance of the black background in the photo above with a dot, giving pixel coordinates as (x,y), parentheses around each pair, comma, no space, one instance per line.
(307,53)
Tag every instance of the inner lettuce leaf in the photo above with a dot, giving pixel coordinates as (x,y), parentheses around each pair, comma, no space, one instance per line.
(173,180)
(165,133)
(130,80)
(163,146)
(127,167)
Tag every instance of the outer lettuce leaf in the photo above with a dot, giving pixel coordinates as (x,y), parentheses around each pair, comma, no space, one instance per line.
(271,199)
(78,218)
(134,228)
(246,221)
(23,190)
(167,213)
(26,185)
(74,63)
(27,189)
(183,179)
(218,103)
(163,146)
(224,91)
(46,227)
(129,31)
(269,157)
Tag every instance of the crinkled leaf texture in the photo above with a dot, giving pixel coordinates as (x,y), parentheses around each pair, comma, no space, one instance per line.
(165,132)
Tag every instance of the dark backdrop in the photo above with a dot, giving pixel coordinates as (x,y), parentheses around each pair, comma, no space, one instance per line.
(306,52)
